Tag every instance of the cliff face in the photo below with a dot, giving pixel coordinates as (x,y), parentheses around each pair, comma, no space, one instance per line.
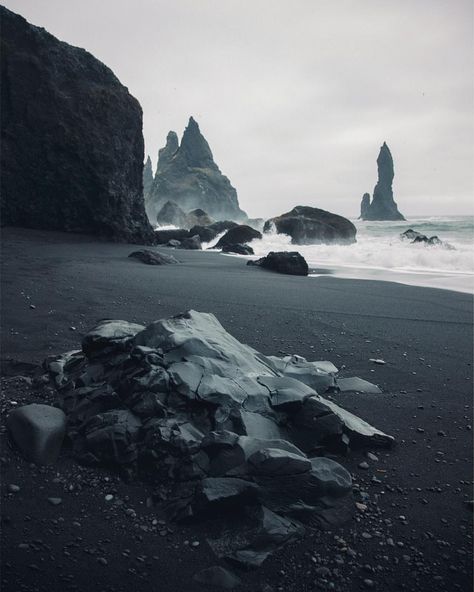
(383,206)
(72,143)
(187,175)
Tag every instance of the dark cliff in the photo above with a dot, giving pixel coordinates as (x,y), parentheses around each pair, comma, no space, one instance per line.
(72,143)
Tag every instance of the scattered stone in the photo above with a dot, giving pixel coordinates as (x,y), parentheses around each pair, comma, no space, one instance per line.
(153,257)
(38,431)
(377,361)
(363,465)
(12,488)
(55,501)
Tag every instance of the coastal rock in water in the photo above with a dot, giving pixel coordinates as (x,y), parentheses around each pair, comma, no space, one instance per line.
(238,249)
(364,206)
(308,226)
(38,431)
(188,175)
(238,235)
(147,179)
(418,237)
(291,263)
(72,143)
(184,404)
(198,217)
(383,206)
(153,258)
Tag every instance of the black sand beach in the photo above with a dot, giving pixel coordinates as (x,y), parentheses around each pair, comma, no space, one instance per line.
(416,533)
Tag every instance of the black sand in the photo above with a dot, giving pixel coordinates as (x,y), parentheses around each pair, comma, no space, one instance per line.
(424,335)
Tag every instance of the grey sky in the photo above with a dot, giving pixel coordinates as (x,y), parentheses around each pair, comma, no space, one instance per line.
(296,96)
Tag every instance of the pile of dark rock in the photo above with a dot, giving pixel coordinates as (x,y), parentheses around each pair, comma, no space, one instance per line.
(219,428)
(417,237)
(171,213)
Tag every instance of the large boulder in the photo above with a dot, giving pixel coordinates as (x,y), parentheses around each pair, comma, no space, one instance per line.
(171,213)
(38,431)
(383,206)
(238,249)
(238,235)
(291,263)
(72,142)
(308,226)
(187,174)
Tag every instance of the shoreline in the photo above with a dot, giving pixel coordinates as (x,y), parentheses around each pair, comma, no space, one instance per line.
(423,334)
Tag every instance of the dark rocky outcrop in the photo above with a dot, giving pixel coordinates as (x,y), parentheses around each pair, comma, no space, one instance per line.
(364,206)
(153,257)
(171,213)
(147,179)
(291,263)
(417,237)
(192,242)
(383,206)
(222,429)
(238,249)
(187,174)
(163,236)
(211,231)
(308,226)
(72,143)
(238,235)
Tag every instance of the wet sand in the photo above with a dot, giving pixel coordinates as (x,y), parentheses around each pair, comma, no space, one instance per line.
(56,286)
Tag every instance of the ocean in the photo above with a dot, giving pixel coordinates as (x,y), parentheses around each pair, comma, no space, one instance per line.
(380,254)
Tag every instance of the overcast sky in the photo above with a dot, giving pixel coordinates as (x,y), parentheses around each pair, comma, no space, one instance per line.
(295,97)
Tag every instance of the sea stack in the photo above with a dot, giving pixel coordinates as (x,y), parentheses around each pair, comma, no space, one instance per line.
(383,206)
(72,142)
(147,178)
(187,175)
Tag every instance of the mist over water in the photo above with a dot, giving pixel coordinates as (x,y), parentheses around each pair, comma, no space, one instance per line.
(380,254)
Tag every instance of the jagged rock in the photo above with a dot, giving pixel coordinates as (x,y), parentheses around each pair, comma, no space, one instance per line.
(239,249)
(254,537)
(217,577)
(198,217)
(188,175)
(147,179)
(410,234)
(238,235)
(185,405)
(383,206)
(418,237)
(72,143)
(153,258)
(364,206)
(171,213)
(193,242)
(291,263)
(163,236)
(38,431)
(308,226)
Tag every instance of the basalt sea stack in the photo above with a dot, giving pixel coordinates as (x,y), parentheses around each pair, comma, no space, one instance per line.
(72,143)
(383,206)
(187,175)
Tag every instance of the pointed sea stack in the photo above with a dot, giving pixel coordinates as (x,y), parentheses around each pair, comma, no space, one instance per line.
(72,142)
(187,175)
(383,206)
(147,177)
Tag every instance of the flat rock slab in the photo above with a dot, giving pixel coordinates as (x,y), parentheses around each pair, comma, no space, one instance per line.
(153,258)
(38,431)
(358,385)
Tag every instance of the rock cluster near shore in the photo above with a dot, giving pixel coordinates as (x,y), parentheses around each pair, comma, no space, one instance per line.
(217,426)
(417,237)
(188,176)
(382,206)
(72,143)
